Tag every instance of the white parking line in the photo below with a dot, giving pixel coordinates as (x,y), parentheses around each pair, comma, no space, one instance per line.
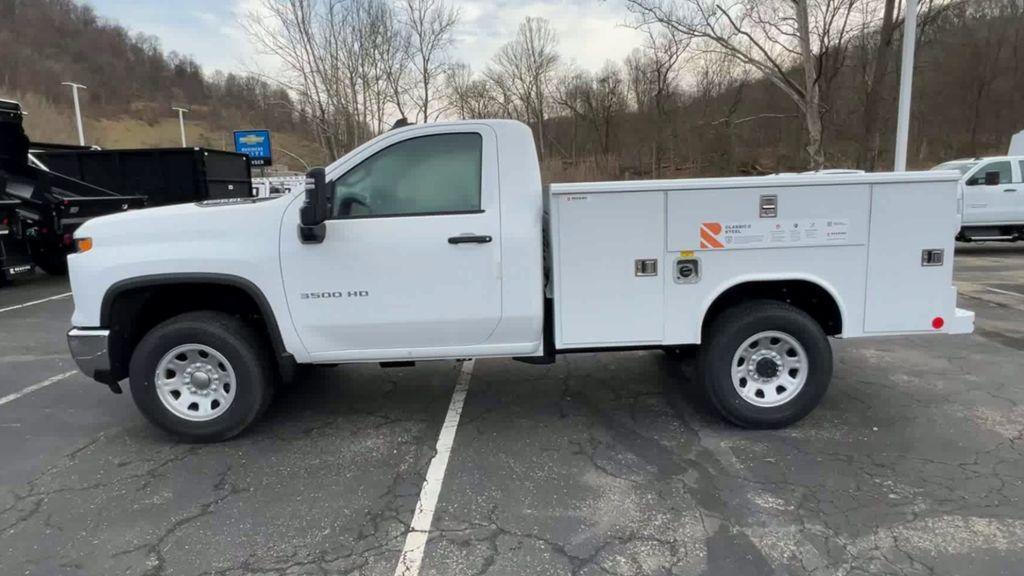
(34,387)
(415,543)
(9,308)
(1007,292)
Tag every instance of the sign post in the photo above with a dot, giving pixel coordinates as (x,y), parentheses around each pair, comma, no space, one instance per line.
(256,145)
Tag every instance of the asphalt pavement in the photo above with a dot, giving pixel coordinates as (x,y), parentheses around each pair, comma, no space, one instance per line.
(599,464)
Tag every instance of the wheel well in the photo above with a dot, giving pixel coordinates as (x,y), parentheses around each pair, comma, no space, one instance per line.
(132,312)
(805,295)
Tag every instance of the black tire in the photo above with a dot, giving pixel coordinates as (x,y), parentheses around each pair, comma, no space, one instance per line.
(722,341)
(239,343)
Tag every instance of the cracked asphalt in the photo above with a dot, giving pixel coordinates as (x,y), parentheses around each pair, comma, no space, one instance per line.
(597,465)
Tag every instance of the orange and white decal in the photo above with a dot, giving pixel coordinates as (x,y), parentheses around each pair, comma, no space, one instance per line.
(771,233)
(709,232)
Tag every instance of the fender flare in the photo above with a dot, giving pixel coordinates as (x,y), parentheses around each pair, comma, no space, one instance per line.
(781,277)
(122,286)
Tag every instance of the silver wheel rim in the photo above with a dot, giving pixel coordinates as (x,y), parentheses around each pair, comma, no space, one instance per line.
(195,382)
(769,369)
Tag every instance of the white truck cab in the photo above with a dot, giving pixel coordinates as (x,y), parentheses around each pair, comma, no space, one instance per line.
(439,241)
(992,197)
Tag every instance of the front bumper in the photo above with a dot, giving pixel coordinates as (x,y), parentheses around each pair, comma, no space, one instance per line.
(90,349)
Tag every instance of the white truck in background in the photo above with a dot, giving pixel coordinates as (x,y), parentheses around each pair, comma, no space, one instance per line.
(1017,144)
(270,186)
(991,196)
(439,241)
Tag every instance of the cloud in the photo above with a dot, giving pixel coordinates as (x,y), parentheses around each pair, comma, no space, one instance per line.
(204,17)
(590,32)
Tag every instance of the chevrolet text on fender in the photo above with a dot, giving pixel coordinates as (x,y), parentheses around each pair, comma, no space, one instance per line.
(463,253)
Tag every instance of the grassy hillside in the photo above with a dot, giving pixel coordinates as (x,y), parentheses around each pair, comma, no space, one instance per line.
(49,121)
(131,133)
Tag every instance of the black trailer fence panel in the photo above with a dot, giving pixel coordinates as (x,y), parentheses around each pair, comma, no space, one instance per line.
(14,256)
(49,206)
(163,175)
(56,188)
(52,206)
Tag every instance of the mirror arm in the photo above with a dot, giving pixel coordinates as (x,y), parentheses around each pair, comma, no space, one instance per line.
(312,234)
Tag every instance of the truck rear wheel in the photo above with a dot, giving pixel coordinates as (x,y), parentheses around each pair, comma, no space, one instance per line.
(201,376)
(765,364)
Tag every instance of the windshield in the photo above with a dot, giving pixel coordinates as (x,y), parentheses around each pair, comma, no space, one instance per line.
(961,166)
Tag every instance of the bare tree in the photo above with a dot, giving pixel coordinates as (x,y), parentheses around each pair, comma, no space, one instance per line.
(876,44)
(504,94)
(525,66)
(608,101)
(302,35)
(571,94)
(652,72)
(471,97)
(772,37)
(430,24)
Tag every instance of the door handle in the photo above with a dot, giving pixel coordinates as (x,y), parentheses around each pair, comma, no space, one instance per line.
(1010,190)
(469,239)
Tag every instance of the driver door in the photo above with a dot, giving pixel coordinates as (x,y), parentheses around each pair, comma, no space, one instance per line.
(410,265)
(989,203)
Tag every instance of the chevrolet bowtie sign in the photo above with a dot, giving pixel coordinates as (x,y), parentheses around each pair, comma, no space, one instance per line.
(255,144)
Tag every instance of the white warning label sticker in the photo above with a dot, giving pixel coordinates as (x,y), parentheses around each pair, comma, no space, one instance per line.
(770,233)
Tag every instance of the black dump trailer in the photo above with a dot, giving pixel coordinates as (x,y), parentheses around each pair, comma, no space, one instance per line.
(50,206)
(14,256)
(163,175)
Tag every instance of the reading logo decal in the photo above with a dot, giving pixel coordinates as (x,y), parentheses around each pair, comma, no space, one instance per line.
(709,232)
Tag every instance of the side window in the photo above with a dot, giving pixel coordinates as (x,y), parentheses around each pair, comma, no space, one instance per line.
(424,175)
(1021,162)
(1004,168)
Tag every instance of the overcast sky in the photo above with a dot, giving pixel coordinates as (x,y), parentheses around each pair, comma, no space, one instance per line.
(590,31)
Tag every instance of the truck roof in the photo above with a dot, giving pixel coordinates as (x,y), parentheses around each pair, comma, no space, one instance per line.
(984,159)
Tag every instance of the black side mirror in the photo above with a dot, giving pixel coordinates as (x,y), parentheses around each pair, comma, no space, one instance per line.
(315,208)
(992,178)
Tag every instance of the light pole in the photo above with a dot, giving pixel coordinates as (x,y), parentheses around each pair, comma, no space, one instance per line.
(906,83)
(78,110)
(181,122)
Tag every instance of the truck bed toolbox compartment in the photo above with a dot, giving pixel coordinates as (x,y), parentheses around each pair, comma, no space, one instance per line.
(602,299)
(904,292)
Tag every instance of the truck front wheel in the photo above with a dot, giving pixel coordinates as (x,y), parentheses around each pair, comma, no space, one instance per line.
(765,364)
(201,376)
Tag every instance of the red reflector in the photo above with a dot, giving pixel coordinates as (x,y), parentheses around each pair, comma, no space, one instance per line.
(938,323)
(68,239)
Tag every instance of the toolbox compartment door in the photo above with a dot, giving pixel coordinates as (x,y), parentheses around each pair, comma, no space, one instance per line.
(601,301)
(903,294)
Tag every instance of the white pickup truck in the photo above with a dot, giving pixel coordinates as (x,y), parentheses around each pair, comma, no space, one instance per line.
(992,196)
(438,241)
